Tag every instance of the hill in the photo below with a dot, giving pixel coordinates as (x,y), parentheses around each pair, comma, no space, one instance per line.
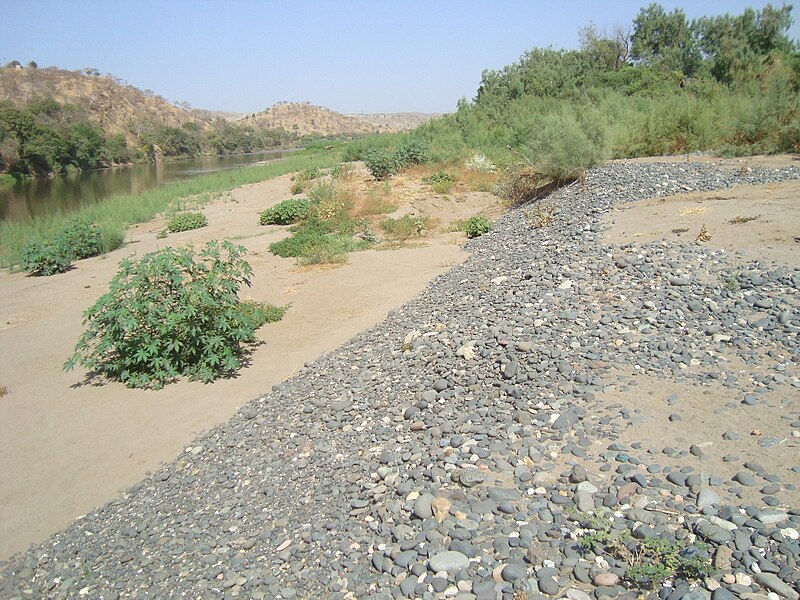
(305,119)
(402,121)
(112,103)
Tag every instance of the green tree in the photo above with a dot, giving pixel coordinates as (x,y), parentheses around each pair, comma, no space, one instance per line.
(736,46)
(665,40)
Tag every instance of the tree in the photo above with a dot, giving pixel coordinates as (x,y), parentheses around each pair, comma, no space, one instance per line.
(607,51)
(32,65)
(665,40)
(736,46)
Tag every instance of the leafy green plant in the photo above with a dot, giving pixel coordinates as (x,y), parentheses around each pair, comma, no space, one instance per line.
(46,257)
(83,238)
(655,560)
(256,314)
(381,163)
(412,152)
(650,560)
(285,212)
(442,182)
(187,221)
(477,226)
(168,315)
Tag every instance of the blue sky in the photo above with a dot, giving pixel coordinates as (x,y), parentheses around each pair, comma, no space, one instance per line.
(348,55)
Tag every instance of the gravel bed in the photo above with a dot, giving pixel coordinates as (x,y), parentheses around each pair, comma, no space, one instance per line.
(462,448)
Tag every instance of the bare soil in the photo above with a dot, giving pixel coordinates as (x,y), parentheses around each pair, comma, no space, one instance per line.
(749,223)
(66,448)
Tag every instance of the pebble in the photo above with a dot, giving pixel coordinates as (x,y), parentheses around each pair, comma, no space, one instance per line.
(449,561)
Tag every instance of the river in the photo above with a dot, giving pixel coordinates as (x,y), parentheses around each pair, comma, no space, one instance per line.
(65,193)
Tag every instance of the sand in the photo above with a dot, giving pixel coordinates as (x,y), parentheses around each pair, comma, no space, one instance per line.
(67,448)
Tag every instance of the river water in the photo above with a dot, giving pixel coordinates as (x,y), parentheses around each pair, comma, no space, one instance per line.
(65,193)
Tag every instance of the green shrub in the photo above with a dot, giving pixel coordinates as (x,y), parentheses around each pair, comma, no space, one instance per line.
(303,179)
(477,226)
(405,227)
(442,182)
(187,221)
(255,314)
(83,238)
(285,212)
(305,235)
(381,163)
(46,257)
(320,241)
(168,315)
(412,152)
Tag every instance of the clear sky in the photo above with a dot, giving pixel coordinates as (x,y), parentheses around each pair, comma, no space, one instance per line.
(347,55)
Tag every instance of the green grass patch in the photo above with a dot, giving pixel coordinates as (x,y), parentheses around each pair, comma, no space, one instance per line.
(406,227)
(285,212)
(115,214)
(187,221)
(7,180)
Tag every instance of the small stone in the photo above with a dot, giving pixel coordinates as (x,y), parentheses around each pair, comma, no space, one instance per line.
(441,508)
(745,479)
(605,579)
(722,558)
(471,477)
(423,506)
(776,584)
(448,561)
(513,571)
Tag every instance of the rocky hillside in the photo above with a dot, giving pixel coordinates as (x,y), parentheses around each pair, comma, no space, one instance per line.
(403,121)
(104,99)
(303,118)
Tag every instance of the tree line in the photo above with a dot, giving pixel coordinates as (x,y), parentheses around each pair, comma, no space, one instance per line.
(663,85)
(45,137)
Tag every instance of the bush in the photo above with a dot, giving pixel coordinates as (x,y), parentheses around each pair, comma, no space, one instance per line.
(442,182)
(83,238)
(187,221)
(255,314)
(412,152)
(477,226)
(285,213)
(46,257)
(405,227)
(170,314)
(381,163)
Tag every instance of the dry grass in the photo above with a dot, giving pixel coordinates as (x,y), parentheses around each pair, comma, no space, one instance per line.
(477,181)
(689,212)
(739,219)
(541,215)
(703,236)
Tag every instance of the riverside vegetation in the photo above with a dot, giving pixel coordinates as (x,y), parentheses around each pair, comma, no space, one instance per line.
(113,216)
(667,85)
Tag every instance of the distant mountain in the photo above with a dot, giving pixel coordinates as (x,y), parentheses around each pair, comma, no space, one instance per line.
(402,121)
(119,108)
(305,119)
